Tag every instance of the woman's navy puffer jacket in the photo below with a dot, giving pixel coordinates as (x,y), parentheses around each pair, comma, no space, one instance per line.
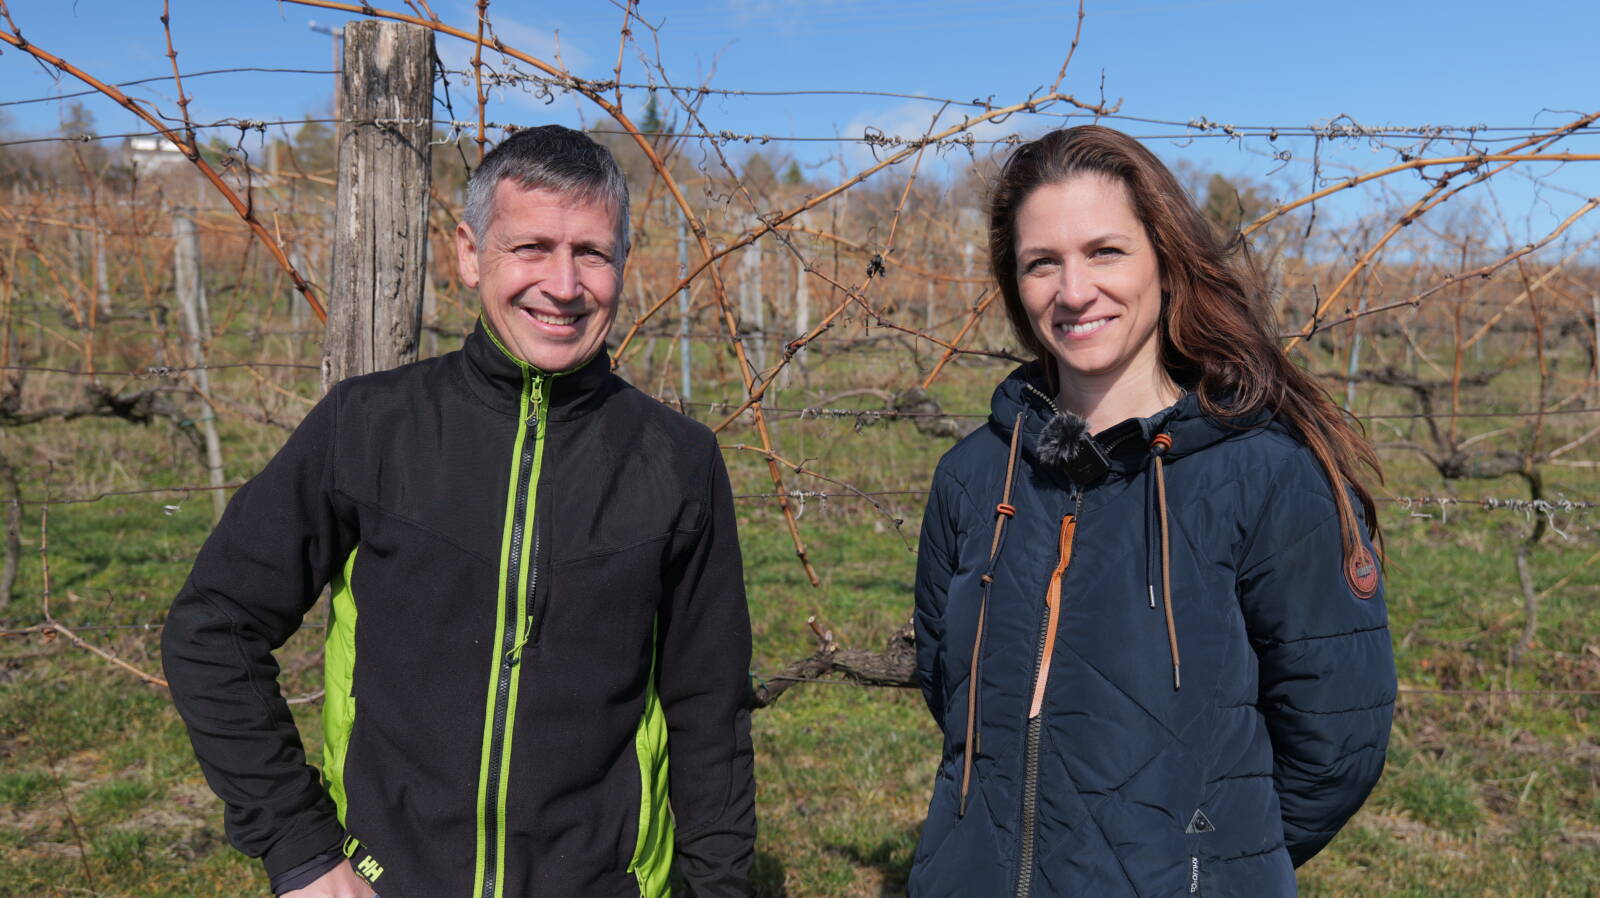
(1132,782)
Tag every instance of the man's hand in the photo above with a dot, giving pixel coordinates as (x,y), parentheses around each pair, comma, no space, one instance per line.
(340,882)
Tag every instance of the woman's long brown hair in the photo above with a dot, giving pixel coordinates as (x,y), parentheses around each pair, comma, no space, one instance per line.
(1217,336)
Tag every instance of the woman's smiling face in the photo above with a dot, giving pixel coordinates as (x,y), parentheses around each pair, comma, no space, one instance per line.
(1090,281)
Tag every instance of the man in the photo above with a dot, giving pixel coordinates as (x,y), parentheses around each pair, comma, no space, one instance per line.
(538,646)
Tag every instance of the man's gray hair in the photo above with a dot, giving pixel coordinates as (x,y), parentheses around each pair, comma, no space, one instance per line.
(554,158)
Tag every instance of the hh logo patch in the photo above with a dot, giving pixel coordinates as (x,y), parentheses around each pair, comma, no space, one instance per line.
(370,868)
(1361,571)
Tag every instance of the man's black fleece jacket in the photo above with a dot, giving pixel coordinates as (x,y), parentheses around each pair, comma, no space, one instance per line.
(538,634)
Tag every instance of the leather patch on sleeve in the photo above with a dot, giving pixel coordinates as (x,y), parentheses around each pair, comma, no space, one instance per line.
(1361,572)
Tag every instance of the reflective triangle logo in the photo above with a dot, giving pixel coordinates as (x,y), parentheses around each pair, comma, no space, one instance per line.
(1199,823)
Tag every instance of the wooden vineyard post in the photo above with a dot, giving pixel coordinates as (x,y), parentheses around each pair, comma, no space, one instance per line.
(802,291)
(197,326)
(102,283)
(752,309)
(802,312)
(381,216)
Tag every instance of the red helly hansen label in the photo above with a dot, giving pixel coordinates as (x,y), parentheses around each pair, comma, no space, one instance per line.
(1361,571)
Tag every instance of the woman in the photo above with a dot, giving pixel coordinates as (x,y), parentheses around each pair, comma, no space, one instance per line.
(1173,616)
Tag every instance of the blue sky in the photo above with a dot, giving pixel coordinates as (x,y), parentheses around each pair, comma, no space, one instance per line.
(1243,62)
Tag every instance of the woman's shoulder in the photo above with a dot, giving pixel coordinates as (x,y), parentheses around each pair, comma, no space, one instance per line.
(973,453)
(1264,448)
(1266,472)
(973,467)
(1284,488)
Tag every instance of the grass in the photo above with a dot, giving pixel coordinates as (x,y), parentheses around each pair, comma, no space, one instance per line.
(99,792)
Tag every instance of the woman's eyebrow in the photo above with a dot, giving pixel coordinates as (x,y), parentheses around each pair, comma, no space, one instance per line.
(1107,238)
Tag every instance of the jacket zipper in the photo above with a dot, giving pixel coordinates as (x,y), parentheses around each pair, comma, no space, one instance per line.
(1030,771)
(513,625)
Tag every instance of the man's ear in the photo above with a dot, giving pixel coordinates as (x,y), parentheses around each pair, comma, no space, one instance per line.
(466,254)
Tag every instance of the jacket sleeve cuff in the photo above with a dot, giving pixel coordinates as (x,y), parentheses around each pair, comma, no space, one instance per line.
(308,872)
(295,850)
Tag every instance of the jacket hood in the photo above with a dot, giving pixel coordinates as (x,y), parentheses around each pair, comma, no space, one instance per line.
(495,375)
(1057,439)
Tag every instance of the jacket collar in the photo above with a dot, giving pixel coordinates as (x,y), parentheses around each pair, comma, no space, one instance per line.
(495,376)
(1125,447)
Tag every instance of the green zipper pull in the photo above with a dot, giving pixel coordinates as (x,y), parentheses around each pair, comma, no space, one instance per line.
(515,655)
(535,407)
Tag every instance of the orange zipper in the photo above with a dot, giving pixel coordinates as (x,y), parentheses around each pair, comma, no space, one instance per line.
(1052,601)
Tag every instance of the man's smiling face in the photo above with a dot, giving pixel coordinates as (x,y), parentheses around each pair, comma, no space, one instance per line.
(548,271)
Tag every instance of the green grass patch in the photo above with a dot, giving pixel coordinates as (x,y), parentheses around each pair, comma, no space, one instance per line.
(1438,799)
(117,800)
(20,789)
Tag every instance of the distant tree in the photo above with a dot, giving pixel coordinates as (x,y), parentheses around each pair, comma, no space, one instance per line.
(758,174)
(793,176)
(650,122)
(216,151)
(314,150)
(77,121)
(972,184)
(13,162)
(1230,206)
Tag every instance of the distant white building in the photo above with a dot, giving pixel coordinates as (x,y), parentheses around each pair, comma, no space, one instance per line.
(153,154)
